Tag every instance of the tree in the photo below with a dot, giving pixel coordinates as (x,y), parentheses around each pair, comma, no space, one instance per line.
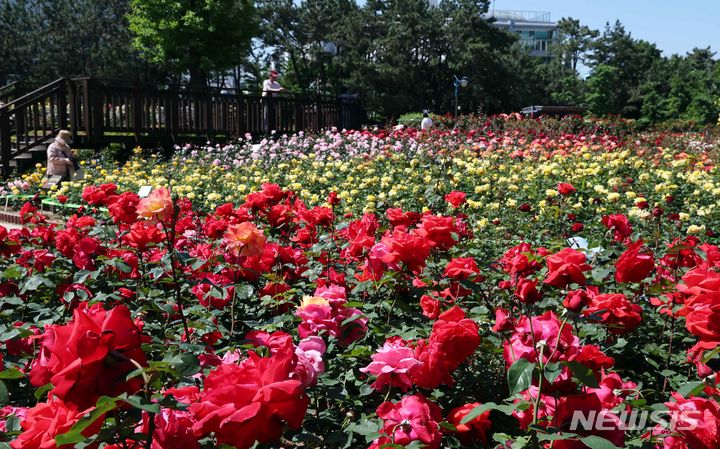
(620,59)
(573,42)
(192,35)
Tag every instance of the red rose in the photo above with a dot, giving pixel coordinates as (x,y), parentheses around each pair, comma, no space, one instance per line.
(397,217)
(700,280)
(576,300)
(703,316)
(430,306)
(90,357)
(586,403)
(619,224)
(476,429)
(453,339)
(99,195)
(461,268)
(142,234)
(592,357)
(47,420)
(577,227)
(409,249)
(527,291)
(502,321)
(333,198)
(457,334)
(456,198)
(566,267)
(123,208)
(565,188)
(615,311)
(438,230)
(635,264)
(697,420)
(251,401)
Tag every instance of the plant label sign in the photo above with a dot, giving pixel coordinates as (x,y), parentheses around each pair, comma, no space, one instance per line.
(52,181)
(144,191)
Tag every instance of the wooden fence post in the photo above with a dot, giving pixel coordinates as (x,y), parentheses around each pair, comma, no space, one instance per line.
(320,118)
(171,113)
(137,108)
(86,110)
(62,105)
(299,115)
(97,97)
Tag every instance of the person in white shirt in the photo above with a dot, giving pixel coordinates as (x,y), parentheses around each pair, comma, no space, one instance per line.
(426,123)
(270,86)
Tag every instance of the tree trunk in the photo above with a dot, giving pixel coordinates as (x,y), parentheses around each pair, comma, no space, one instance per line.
(198,78)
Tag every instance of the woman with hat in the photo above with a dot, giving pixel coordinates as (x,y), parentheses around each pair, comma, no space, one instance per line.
(61,160)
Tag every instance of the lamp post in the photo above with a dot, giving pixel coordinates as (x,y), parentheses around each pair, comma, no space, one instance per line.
(459,82)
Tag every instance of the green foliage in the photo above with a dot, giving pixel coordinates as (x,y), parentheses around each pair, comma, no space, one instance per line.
(194,36)
(43,40)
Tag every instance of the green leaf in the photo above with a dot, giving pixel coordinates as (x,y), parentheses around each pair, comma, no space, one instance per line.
(74,435)
(503,408)
(40,392)
(14,272)
(12,424)
(4,394)
(186,364)
(32,283)
(11,373)
(243,291)
(477,411)
(710,355)
(447,426)
(596,442)
(691,388)
(582,373)
(552,371)
(520,375)
(143,404)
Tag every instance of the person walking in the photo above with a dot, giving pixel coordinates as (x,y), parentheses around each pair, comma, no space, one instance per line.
(61,161)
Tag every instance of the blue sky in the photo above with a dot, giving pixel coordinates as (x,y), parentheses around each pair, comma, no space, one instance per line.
(674,26)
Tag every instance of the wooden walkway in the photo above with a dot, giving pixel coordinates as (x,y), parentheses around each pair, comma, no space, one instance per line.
(101,112)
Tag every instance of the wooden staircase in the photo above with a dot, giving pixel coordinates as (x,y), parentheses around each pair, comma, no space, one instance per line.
(99,112)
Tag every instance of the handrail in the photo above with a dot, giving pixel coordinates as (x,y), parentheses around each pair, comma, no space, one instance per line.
(198,89)
(34,94)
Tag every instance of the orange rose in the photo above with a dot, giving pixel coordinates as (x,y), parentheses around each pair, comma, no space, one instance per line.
(158,205)
(245,239)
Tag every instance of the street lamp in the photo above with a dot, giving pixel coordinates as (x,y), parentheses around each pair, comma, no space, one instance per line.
(459,82)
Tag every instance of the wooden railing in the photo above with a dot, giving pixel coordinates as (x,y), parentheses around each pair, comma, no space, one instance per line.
(99,112)
(31,119)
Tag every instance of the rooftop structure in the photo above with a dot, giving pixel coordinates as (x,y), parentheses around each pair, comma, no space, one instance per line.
(535,28)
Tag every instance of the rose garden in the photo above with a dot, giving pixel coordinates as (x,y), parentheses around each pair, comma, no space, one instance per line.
(359,224)
(490,285)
